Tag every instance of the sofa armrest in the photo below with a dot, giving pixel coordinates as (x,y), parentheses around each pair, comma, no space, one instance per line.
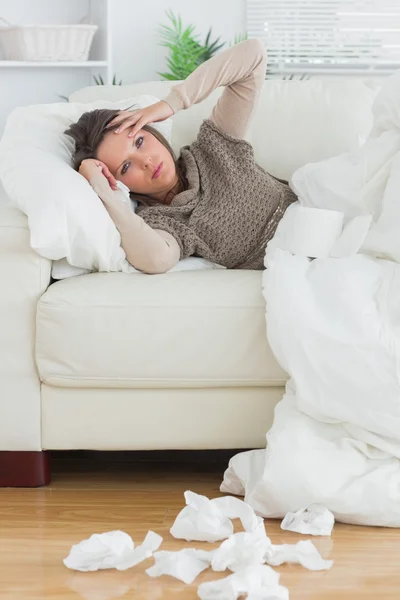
(24,276)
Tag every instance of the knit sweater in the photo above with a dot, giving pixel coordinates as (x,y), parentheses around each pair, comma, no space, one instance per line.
(232,206)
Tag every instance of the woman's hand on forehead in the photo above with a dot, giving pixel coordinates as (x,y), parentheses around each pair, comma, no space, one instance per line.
(138,118)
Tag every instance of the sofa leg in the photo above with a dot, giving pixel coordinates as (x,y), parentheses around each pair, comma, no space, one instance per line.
(24,469)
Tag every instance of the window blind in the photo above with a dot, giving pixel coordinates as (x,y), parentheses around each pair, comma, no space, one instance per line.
(334,36)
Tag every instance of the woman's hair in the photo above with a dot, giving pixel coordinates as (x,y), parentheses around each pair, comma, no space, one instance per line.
(88,133)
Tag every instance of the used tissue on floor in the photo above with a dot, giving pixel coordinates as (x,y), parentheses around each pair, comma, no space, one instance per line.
(313,520)
(244,553)
(185,564)
(260,582)
(207,520)
(303,553)
(111,550)
(242,550)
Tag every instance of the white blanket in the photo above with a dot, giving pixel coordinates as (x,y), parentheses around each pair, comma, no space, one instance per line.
(334,326)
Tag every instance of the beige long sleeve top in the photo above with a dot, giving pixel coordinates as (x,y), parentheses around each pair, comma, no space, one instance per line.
(241,70)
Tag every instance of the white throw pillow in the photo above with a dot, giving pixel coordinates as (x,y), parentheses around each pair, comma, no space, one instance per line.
(67,220)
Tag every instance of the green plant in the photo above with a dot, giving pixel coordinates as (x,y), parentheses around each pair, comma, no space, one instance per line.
(100,81)
(210,49)
(186,51)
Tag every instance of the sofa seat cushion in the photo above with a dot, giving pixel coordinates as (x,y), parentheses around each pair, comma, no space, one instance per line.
(184,329)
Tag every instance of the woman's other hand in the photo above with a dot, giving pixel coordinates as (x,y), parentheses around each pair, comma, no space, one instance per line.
(91,166)
(138,118)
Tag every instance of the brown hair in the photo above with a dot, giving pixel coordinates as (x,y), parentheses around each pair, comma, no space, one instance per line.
(88,133)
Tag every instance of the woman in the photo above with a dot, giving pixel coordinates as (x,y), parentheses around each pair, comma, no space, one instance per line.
(214,201)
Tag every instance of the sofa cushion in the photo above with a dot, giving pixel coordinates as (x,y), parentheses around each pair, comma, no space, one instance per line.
(184,329)
(296,122)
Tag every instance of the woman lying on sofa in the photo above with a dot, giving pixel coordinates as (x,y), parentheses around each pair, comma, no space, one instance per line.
(214,201)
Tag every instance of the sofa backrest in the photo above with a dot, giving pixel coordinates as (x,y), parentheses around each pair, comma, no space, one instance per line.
(296,121)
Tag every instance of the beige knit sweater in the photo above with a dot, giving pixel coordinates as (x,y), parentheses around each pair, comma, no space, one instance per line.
(232,206)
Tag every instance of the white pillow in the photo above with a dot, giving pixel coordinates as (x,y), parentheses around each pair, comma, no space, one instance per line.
(67,220)
(66,217)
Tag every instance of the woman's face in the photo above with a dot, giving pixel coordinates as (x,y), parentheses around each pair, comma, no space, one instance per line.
(141,162)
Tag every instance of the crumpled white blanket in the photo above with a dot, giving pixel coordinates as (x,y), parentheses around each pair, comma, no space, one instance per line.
(334,326)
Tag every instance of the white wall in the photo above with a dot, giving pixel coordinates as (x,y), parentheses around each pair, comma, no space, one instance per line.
(137,55)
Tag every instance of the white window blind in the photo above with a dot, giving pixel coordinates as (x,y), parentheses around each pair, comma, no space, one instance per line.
(335,36)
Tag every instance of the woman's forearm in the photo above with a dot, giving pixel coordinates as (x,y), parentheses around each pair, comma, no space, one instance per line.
(148,250)
(241,69)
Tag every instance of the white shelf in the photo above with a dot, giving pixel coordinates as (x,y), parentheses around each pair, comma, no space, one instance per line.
(30,82)
(59,63)
(60,12)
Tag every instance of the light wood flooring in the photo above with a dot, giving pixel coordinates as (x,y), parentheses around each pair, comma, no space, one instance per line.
(38,527)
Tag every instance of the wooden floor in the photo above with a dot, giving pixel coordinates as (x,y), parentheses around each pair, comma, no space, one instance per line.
(38,527)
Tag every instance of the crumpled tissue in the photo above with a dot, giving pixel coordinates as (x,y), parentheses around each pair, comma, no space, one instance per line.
(206,520)
(303,553)
(241,550)
(313,520)
(260,582)
(184,565)
(111,550)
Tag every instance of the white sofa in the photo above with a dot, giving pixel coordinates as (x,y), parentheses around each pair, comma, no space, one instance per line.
(110,361)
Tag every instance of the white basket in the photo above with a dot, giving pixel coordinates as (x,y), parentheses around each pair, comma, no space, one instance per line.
(47,42)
